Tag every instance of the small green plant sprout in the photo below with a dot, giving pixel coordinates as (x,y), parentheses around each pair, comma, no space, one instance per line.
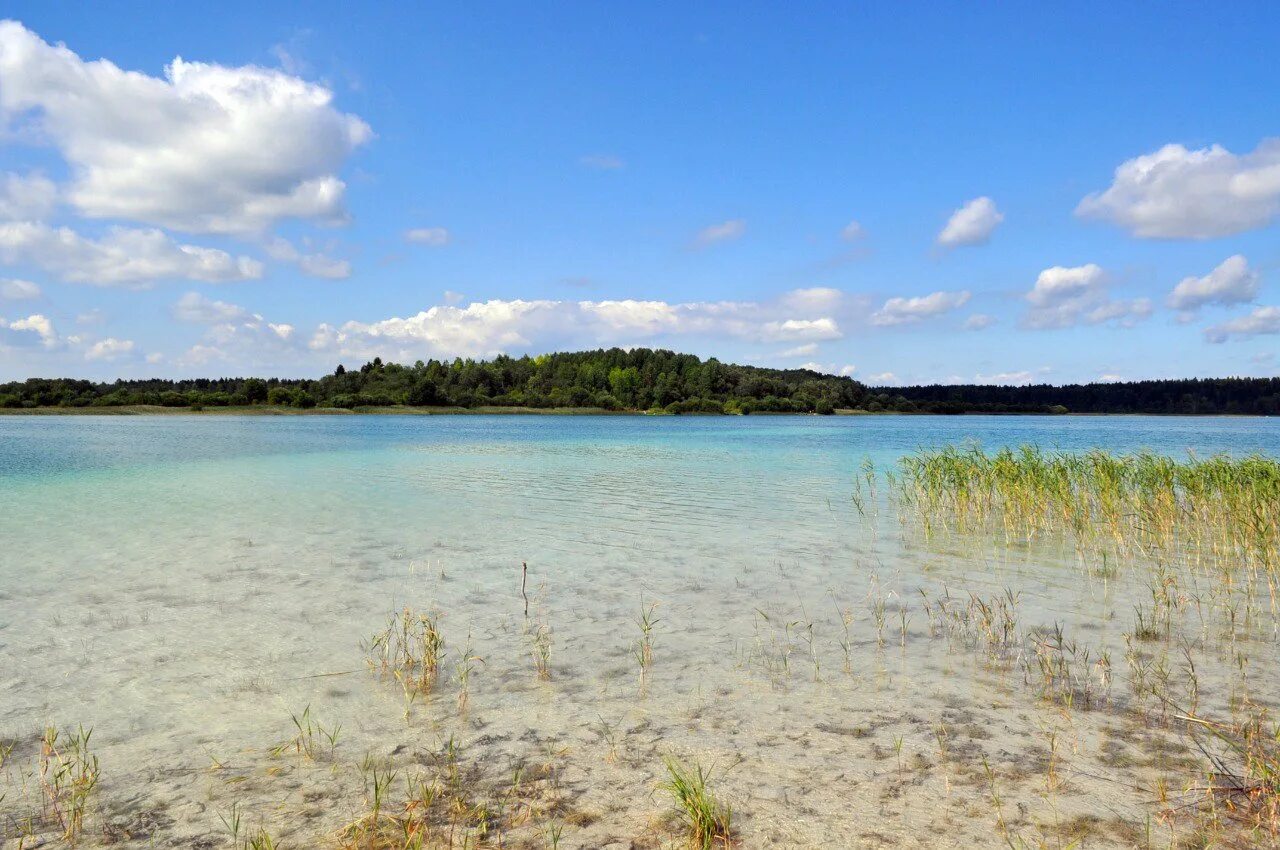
(609,735)
(706,820)
(541,640)
(262,840)
(644,647)
(463,668)
(553,833)
(307,735)
(231,823)
(69,774)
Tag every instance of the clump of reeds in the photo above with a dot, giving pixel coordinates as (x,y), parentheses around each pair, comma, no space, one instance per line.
(1224,508)
(69,774)
(409,649)
(707,820)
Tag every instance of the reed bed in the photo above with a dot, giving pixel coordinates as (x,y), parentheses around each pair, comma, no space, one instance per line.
(1222,508)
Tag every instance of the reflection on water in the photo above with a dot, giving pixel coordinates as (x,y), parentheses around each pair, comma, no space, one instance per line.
(184,584)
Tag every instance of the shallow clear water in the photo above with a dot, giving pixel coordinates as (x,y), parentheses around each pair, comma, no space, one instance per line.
(182,584)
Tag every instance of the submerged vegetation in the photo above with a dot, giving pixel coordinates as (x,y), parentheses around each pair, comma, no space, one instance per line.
(634,380)
(1140,724)
(1220,508)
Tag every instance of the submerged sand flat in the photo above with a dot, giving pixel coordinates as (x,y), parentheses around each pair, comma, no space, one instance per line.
(185,587)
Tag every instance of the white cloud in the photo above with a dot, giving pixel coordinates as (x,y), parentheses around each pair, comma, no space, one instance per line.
(602,162)
(1262,320)
(26,197)
(882,378)
(451,297)
(972,224)
(436,237)
(123,257)
(36,324)
(318,265)
(18,290)
(109,349)
(1066,296)
(848,369)
(900,311)
(204,149)
(816,299)
(852,232)
(491,327)
(1019,378)
(1176,193)
(790,329)
(807,350)
(979,321)
(194,307)
(1232,282)
(726,231)
(314,264)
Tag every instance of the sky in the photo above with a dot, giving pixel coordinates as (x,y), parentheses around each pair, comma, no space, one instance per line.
(905,193)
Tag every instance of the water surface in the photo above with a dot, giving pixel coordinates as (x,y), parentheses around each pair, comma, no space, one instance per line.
(183,583)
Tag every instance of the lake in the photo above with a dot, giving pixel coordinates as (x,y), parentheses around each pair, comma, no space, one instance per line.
(185,584)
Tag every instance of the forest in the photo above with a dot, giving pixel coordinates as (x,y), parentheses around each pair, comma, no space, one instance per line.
(640,379)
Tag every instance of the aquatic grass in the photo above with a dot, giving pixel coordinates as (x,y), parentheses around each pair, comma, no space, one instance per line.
(307,736)
(1220,508)
(646,622)
(409,649)
(1244,776)
(707,821)
(464,667)
(69,773)
(540,640)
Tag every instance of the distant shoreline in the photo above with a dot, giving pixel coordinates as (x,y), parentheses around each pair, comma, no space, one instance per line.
(490,410)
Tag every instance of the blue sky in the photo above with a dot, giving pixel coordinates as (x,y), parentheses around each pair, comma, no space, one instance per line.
(902,192)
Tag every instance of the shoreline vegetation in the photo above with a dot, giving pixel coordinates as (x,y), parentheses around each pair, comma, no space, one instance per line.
(621,381)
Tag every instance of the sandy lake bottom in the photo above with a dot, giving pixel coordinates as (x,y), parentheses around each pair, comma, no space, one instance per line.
(187,587)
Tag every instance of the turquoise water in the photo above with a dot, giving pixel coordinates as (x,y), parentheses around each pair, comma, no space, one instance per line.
(183,583)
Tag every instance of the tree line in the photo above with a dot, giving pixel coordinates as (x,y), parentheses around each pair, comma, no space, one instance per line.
(641,379)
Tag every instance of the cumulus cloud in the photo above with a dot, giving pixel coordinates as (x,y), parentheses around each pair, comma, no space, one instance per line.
(901,311)
(972,224)
(979,321)
(852,232)
(1232,282)
(30,196)
(1262,320)
(314,264)
(1177,193)
(123,257)
(815,299)
(725,231)
(882,378)
(435,237)
(109,349)
(12,289)
(807,350)
(1064,297)
(205,149)
(196,308)
(495,326)
(1021,377)
(35,324)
